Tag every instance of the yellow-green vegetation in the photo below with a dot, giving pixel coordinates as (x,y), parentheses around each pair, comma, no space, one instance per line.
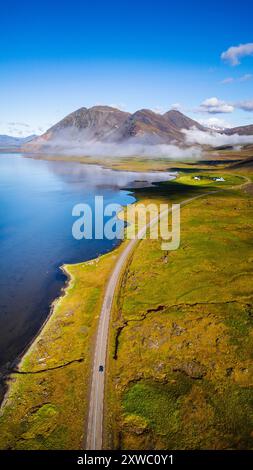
(47,402)
(179,358)
(180,362)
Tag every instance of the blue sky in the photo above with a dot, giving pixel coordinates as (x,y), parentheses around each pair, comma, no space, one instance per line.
(58,56)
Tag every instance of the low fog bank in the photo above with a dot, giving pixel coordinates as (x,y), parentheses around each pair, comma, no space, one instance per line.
(101,149)
(73,142)
(126,149)
(215,139)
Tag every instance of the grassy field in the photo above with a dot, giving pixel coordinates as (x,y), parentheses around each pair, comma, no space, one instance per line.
(182,331)
(181,338)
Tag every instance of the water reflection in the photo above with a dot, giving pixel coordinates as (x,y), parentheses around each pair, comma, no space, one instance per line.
(37,198)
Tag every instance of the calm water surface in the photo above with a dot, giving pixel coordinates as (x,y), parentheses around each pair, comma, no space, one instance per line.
(36,201)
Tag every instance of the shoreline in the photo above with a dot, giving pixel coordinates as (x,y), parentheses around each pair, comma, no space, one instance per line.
(85,161)
(17,362)
(20,402)
(102,162)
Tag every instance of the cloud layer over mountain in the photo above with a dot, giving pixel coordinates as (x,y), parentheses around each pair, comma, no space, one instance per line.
(216,139)
(106,131)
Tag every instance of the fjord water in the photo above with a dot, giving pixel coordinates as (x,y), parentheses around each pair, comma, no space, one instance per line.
(36,202)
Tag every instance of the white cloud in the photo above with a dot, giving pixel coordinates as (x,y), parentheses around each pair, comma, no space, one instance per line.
(128,149)
(19,124)
(20,129)
(246,77)
(243,78)
(235,53)
(158,110)
(245,105)
(215,139)
(227,80)
(176,106)
(162,110)
(215,106)
(216,123)
(73,142)
(120,106)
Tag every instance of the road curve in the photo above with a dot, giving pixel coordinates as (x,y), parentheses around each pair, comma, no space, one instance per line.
(94,435)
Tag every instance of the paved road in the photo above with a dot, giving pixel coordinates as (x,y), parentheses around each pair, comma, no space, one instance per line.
(94,437)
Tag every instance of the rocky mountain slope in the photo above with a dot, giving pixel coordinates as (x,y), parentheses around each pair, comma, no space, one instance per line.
(107,124)
(101,125)
(241,130)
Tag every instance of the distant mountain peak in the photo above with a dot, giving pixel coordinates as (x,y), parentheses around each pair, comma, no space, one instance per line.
(174,112)
(105,108)
(8,141)
(180,121)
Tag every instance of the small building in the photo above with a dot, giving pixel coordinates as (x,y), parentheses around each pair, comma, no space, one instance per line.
(219,179)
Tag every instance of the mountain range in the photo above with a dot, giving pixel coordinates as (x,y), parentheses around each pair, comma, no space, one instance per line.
(9,141)
(108,125)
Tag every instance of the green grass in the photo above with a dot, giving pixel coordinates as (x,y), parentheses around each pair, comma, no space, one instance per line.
(207,179)
(201,322)
(158,404)
(187,415)
(185,186)
(189,318)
